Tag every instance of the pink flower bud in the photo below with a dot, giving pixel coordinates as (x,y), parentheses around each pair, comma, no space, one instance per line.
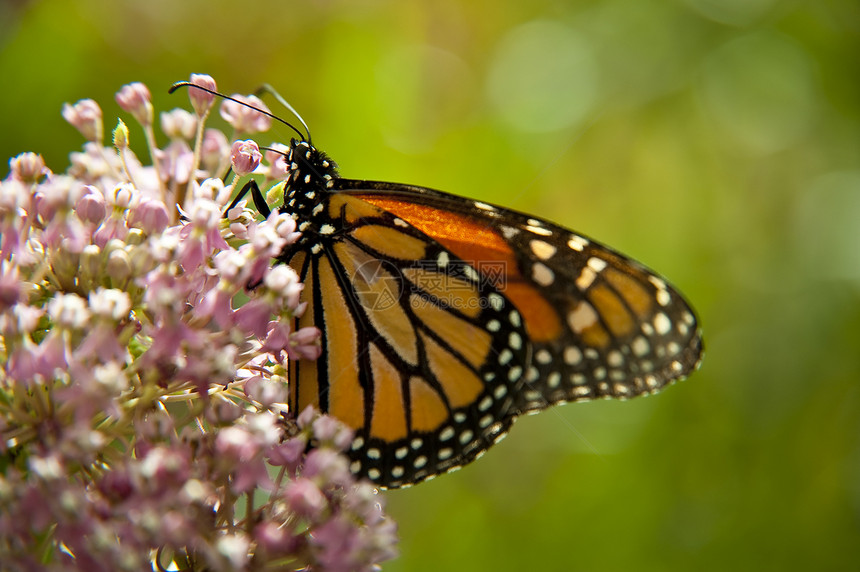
(86,117)
(201,100)
(135,99)
(53,197)
(178,124)
(215,149)
(28,167)
(91,206)
(277,159)
(122,196)
(305,344)
(150,215)
(11,287)
(243,118)
(305,498)
(275,539)
(306,417)
(245,156)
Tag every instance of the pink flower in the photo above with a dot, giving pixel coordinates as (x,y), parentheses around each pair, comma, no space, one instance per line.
(328,466)
(164,467)
(178,124)
(266,391)
(29,361)
(90,208)
(217,304)
(150,215)
(245,157)
(305,498)
(10,287)
(201,235)
(327,429)
(28,167)
(176,161)
(276,540)
(288,453)
(86,117)
(145,403)
(244,115)
(337,545)
(305,344)
(243,452)
(215,150)
(201,100)
(253,317)
(277,340)
(135,98)
(276,157)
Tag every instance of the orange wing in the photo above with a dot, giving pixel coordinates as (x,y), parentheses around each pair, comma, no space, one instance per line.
(444,319)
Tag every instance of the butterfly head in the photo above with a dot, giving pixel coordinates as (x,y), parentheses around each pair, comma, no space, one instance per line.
(309,168)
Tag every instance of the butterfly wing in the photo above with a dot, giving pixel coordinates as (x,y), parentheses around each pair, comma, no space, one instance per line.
(444,319)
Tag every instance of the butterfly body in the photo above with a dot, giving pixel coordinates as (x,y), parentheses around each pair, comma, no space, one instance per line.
(444,319)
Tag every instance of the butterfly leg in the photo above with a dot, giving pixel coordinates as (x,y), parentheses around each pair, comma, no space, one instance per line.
(256,194)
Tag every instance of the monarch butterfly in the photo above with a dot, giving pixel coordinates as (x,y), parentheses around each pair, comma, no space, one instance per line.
(444,319)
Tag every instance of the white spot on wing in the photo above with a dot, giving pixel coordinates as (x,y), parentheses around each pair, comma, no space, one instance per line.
(640,346)
(543,250)
(496,301)
(471,273)
(597,264)
(577,243)
(572,355)
(539,230)
(581,317)
(542,274)
(657,282)
(585,278)
(662,324)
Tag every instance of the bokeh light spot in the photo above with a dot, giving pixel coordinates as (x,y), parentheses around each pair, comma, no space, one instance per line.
(543,77)
(761,90)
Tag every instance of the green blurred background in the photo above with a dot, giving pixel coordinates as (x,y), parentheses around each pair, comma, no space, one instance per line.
(717,141)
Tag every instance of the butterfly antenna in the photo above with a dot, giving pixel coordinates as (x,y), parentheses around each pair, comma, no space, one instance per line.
(268,89)
(189,85)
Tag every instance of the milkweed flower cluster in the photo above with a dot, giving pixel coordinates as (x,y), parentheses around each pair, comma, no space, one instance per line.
(142,407)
